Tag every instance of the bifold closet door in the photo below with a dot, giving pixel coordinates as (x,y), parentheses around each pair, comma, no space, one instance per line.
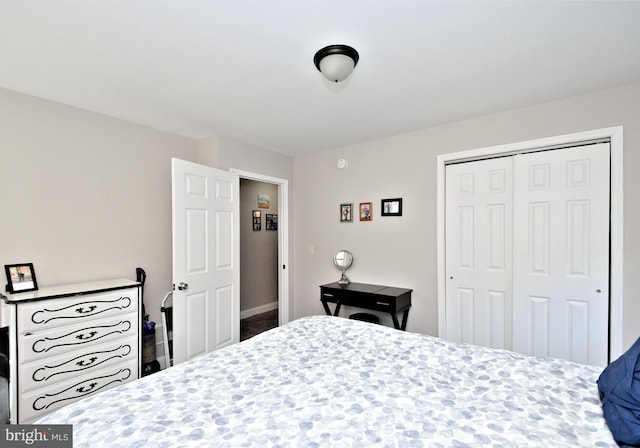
(527,253)
(478,252)
(561,254)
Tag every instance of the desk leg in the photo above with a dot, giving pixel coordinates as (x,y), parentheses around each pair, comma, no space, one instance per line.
(405,314)
(396,324)
(327,310)
(326,307)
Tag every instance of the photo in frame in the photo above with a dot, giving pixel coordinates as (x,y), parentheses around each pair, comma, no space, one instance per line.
(366,211)
(257,220)
(272,222)
(345,212)
(391,207)
(20,277)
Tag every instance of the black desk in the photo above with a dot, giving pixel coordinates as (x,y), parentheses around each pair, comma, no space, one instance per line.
(372,297)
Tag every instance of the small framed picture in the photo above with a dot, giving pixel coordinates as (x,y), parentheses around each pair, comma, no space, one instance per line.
(263,201)
(391,207)
(272,221)
(20,277)
(257,220)
(366,211)
(345,212)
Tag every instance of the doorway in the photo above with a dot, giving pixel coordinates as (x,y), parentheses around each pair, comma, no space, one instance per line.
(612,135)
(258,257)
(272,227)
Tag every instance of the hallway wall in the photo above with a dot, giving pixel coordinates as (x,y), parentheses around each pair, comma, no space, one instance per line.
(258,248)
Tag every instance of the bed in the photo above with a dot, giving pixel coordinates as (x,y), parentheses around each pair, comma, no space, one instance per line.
(330,381)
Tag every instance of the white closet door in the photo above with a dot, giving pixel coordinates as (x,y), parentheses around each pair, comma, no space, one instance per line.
(479,248)
(561,254)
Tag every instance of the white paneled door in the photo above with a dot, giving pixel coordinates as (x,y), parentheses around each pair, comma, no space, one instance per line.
(478,246)
(561,254)
(206,275)
(527,253)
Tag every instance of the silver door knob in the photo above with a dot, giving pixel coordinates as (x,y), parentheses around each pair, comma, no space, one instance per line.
(182,286)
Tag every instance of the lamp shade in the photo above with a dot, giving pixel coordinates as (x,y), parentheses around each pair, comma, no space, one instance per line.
(336,62)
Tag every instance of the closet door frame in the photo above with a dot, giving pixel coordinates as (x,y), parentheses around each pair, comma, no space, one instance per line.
(614,134)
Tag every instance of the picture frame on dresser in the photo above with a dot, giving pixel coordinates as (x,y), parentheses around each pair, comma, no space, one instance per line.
(20,278)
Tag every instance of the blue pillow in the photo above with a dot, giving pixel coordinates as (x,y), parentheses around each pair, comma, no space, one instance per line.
(619,387)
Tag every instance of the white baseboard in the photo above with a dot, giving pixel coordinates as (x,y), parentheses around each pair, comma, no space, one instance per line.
(259,309)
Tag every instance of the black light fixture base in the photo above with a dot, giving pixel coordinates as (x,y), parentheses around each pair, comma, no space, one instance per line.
(336,49)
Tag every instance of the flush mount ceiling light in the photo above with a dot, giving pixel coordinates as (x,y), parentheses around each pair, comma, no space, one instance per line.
(336,62)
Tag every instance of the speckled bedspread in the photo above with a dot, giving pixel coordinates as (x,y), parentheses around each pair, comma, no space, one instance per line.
(329,381)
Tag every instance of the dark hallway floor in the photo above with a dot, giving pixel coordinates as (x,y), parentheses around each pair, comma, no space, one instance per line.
(254,325)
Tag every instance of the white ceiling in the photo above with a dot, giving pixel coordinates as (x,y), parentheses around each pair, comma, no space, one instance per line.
(244,68)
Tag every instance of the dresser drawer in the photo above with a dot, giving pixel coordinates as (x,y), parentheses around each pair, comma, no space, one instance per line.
(40,402)
(42,344)
(54,312)
(76,363)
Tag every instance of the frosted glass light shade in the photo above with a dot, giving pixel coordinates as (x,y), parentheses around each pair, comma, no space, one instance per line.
(336,62)
(336,67)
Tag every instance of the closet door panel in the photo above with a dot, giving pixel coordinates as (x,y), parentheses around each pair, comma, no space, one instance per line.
(561,253)
(479,252)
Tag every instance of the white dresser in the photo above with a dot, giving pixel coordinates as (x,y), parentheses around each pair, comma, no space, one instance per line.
(68,342)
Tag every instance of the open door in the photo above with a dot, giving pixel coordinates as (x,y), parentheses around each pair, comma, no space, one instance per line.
(206,259)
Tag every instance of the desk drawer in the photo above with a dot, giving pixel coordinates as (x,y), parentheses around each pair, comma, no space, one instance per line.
(372,302)
(362,300)
(330,295)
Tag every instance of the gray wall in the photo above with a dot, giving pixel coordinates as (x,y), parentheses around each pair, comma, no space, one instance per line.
(402,251)
(85,196)
(88,197)
(258,249)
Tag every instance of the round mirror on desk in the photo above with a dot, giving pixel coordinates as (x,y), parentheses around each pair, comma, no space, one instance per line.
(343,261)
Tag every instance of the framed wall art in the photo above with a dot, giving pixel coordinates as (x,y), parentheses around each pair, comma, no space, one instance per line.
(257,220)
(345,212)
(366,211)
(263,201)
(391,207)
(20,277)
(272,221)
